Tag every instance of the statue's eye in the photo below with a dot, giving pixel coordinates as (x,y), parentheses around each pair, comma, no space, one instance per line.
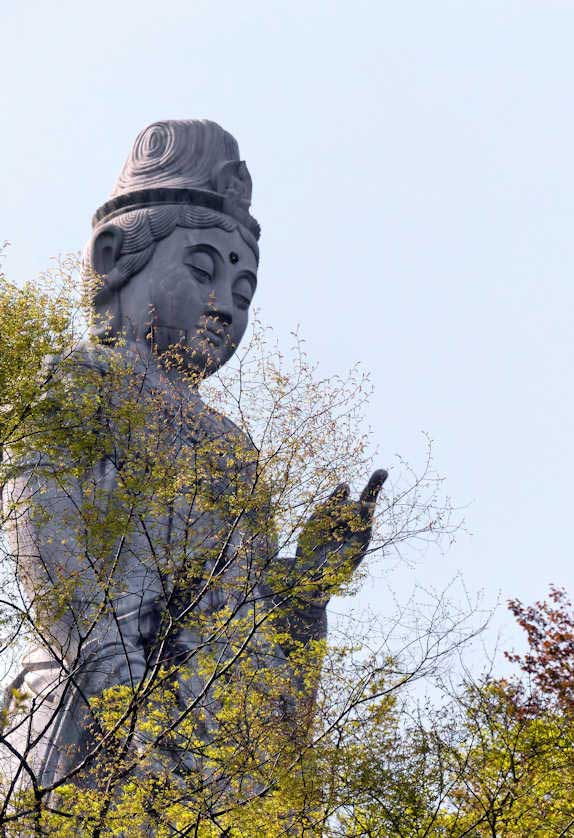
(200,274)
(241,301)
(243,290)
(201,265)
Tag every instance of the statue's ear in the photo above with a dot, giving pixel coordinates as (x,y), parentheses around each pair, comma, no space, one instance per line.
(106,248)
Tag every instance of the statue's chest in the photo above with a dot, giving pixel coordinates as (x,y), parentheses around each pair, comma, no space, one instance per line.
(193,482)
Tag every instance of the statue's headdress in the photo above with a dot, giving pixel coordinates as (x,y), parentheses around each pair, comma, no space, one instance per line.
(177,161)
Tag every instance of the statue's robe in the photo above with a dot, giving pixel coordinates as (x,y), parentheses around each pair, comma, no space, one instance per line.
(152,544)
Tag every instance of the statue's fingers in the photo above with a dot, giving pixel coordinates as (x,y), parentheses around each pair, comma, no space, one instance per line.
(341,493)
(328,509)
(337,497)
(371,491)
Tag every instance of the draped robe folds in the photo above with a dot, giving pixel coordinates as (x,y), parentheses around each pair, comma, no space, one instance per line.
(176,563)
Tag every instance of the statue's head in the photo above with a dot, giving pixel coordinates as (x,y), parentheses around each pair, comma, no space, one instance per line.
(174,250)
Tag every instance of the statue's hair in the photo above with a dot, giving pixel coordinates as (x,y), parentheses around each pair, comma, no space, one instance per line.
(143,228)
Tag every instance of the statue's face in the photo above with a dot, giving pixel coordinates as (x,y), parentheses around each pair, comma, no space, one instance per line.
(194,294)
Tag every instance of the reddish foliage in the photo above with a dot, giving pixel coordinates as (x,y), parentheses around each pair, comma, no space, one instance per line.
(549,627)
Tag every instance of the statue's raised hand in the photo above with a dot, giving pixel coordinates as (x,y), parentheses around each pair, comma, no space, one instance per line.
(336,537)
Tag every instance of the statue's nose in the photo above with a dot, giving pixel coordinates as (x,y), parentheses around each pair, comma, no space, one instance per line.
(221,305)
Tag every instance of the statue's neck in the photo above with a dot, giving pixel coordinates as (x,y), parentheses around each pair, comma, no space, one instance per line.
(157,375)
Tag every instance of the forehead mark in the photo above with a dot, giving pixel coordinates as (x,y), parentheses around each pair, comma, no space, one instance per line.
(233,257)
(221,240)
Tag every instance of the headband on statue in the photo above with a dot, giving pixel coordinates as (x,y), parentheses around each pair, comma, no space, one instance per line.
(183,162)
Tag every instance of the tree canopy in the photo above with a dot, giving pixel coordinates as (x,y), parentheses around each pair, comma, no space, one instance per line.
(233,715)
(240,716)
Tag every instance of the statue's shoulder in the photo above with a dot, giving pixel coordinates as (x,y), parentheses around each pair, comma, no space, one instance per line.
(83,357)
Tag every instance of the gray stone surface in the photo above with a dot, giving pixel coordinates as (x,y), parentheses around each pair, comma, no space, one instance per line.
(177,249)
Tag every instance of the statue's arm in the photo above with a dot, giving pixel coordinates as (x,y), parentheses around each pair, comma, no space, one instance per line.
(56,479)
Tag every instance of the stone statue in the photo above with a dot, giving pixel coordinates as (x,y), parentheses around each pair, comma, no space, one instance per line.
(175,249)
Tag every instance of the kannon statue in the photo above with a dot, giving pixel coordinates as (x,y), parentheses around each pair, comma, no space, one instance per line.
(171,271)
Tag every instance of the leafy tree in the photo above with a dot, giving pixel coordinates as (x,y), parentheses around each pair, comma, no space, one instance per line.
(496,761)
(232,715)
(549,662)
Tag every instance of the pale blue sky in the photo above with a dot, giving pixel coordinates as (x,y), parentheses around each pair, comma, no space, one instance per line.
(412,167)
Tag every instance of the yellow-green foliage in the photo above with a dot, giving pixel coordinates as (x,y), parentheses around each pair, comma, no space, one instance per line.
(253,725)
